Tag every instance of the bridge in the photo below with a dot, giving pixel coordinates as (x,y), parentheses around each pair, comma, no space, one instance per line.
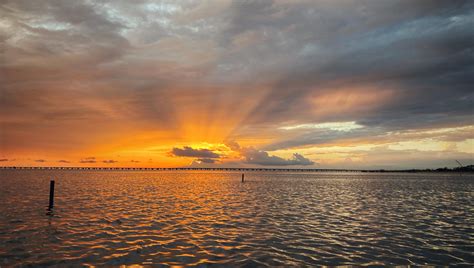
(186,169)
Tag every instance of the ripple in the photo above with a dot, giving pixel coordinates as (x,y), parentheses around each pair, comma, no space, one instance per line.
(192,218)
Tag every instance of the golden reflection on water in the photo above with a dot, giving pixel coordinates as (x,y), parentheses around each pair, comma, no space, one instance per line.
(192,218)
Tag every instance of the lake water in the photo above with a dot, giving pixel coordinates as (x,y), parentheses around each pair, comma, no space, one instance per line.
(205,218)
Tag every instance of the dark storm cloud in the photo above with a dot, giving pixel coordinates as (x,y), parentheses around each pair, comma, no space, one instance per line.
(421,50)
(187,151)
(116,65)
(427,54)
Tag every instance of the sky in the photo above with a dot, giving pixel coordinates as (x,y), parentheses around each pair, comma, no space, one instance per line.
(250,83)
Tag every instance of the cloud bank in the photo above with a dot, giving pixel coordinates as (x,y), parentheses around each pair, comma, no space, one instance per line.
(264,159)
(149,74)
(187,151)
(246,155)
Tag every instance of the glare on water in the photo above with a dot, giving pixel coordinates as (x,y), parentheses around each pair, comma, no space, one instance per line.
(193,218)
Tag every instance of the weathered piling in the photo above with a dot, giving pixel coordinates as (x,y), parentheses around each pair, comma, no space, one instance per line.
(242,177)
(51,195)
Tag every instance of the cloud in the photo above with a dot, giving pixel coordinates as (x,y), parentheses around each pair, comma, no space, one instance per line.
(389,157)
(233,145)
(339,126)
(206,160)
(135,161)
(63,161)
(263,158)
(331,49)
(187,151)
(3,160)
(234,154)
(40,160)
(258,157)
(88,160)
(322,136)
(109,161)
(215,70)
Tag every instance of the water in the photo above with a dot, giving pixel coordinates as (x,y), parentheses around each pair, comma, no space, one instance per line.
(205,218)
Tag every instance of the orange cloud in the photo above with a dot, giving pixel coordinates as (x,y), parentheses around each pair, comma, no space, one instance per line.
(356,101)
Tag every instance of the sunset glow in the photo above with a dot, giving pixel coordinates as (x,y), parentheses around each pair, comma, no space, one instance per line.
(236,84)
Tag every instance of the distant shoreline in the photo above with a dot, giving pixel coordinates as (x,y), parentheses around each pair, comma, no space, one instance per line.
(466,169)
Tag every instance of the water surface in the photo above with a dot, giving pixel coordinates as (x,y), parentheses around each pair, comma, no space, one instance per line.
(205,218)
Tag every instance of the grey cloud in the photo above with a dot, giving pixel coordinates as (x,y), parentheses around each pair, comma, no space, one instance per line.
(373,133)
(233,145)
(187,151)
(88,59)
(247,15)
(204,162)
(258,157)
(422,51)
(127,60)
(207,160)
(318,137)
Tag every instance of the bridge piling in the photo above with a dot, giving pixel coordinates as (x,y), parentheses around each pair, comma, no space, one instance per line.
(51,195)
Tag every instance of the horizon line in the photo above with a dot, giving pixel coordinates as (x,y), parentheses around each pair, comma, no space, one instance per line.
(230,169)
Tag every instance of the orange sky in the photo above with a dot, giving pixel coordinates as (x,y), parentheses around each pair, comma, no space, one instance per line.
(315,84)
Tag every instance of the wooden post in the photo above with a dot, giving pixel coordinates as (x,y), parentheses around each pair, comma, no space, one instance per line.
(242,177)
(51,195)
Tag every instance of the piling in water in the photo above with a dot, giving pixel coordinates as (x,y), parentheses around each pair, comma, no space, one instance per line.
(242,177)
(51,195)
